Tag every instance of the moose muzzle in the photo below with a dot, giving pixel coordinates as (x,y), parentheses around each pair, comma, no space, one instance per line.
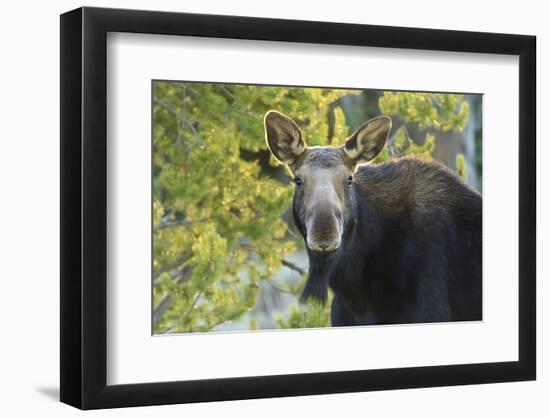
(324,230)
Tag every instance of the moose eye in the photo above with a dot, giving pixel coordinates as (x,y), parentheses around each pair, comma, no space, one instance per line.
(349,180)
(298,181)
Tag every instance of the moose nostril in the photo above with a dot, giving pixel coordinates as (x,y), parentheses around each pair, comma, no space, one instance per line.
(323,246)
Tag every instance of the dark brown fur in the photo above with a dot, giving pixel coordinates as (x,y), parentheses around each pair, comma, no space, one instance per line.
(398,242)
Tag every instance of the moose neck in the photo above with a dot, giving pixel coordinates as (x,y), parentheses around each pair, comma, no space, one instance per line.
(342,270)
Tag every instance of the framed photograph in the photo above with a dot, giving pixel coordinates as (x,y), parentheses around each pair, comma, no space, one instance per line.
(255,208)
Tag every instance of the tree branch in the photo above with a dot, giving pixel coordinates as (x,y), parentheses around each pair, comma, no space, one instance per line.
(159,310)
(174,223)
(166,302)
(182,273)
(281,289)
(190,309)
(222,321)
(293,266)
(181,117)
(168,267)
(284,262)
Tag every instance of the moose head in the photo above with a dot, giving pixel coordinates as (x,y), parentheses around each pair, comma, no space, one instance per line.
(324,203)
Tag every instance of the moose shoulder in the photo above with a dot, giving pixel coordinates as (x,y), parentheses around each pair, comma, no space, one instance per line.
(398,242)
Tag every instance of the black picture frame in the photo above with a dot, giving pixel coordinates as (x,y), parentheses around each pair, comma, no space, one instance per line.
(84,207)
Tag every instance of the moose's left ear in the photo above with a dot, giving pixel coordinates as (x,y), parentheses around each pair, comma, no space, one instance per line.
(369,140)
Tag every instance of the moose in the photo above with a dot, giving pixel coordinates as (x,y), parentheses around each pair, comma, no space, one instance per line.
(397,242)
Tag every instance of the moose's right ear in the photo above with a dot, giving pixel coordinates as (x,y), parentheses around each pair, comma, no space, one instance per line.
(283,137)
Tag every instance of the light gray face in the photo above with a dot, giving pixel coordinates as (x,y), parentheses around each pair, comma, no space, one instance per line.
(323,176)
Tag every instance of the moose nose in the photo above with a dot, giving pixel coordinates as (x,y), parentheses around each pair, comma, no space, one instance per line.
(323,247)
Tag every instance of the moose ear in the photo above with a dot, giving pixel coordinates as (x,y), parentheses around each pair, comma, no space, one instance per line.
(283,137)
(369,140)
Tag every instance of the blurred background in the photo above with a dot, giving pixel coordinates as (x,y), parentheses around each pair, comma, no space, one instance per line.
(226,254)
